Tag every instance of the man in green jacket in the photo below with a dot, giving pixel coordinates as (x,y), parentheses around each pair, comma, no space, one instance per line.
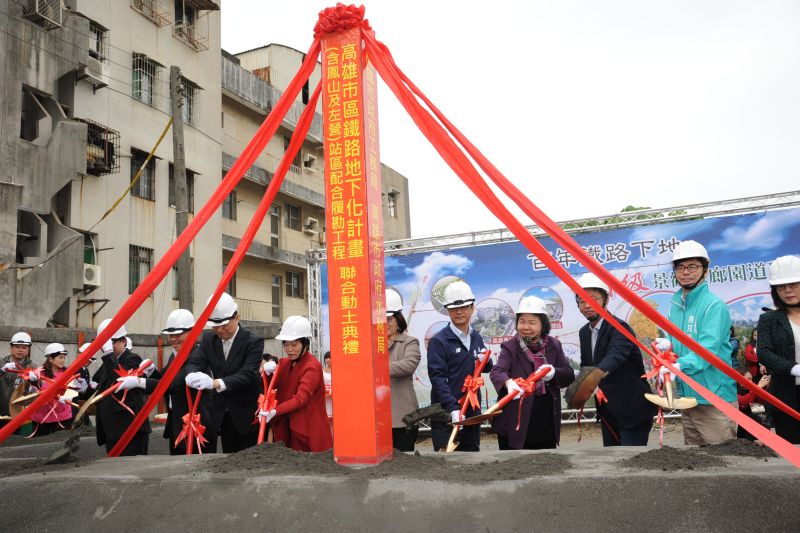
(706,319)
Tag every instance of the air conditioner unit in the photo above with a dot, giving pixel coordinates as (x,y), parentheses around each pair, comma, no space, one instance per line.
(310,226)
(309,160)
(96,72)
(91,275)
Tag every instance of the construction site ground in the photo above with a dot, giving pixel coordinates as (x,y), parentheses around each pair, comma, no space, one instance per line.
(582,486)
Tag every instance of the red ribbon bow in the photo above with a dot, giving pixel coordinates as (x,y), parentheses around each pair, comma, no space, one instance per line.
(471,386)
(528,386)
(193,431)
(121,372)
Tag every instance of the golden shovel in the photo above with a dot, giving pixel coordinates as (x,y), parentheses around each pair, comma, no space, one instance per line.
(668,401)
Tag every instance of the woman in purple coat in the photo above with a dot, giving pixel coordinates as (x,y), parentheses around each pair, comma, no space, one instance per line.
(531,349)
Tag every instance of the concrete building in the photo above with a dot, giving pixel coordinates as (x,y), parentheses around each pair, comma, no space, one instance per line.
(271,282)
(85,97)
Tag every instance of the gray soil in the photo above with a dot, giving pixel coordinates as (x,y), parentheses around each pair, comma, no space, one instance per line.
(671,459)
(740,447)
(275,459)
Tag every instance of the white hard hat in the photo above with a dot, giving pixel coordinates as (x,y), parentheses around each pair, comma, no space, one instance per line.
(458,294)
(394,302)
(689,249)
(179,321)
(591,281)
(55,348)
(107,348)
(83,347)
(532,304)
(128,343)
(224,311)
(784,269)
(121,332)
(21,337)
(293,328)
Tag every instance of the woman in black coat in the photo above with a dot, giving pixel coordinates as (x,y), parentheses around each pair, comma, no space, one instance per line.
(530,350)
(779,343)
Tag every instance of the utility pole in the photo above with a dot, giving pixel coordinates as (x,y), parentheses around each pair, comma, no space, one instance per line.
(181,190)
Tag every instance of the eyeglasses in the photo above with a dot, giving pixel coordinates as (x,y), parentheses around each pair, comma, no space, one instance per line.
(580,301)
(787,286)
(688,268)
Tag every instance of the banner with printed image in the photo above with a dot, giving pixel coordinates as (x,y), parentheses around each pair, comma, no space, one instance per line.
(740,246)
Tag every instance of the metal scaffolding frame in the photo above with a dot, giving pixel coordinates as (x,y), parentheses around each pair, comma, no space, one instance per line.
(768,202)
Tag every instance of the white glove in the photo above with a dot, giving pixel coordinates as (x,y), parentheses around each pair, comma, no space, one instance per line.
(795,371)
(664,370)
(32,376)
(93,384)
(511,386)
(662,344)
(82,385)
(9,367)
(129,382)
(62,400)
(269,415)
(149,370)
(199,381)
(269,367)
(550,373)
(455,416)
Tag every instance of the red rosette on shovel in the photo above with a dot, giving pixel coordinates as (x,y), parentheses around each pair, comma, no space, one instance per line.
(266,402)
(664,398)
(472,385)
(193,430)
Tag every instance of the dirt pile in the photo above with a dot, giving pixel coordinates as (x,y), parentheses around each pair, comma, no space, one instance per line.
(671,459)
(275,459)
(58,436)
(740,447)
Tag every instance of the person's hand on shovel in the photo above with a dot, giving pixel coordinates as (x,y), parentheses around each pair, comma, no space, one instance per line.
(511,386)
(268,415)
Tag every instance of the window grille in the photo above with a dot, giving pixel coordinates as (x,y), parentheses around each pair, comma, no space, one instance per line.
(146,80)
(140,261)
(145,186)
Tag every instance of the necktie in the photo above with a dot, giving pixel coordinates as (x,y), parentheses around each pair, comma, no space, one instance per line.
(226,348)
(595,333)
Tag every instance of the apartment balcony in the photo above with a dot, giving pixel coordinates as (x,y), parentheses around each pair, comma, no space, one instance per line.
(255,93)
(265,252)
(263,176)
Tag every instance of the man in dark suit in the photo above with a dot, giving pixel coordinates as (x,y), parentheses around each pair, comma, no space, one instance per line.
(226,362)
(627,418)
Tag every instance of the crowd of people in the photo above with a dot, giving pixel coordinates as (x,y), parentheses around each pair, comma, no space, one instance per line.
(227,365)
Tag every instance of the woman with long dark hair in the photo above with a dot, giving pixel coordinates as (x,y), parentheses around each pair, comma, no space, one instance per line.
(56,414)
(779,342)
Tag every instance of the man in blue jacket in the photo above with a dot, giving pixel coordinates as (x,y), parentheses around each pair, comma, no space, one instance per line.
(706,319)
(452,356)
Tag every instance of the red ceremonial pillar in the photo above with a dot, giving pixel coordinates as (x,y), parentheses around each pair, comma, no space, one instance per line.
(362,420)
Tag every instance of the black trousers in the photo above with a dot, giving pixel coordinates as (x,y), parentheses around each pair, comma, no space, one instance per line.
(785,425)
(404,439)
(46,428)
(232,441)
(468,438)
(139,445)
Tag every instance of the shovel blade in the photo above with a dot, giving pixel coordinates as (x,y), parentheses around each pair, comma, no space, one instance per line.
(471,421)
(677,403)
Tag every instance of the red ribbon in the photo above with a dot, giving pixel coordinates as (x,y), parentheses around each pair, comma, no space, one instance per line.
(471,387)
(193,430)
(251,152)
(434,129)
(266,402)
(528,386)
(340,18)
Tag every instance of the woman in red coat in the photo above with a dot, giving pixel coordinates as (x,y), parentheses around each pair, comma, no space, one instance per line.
(299,420)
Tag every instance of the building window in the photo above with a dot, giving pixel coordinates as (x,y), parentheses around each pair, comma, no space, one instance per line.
(153,10)
(32,114)
(98,41)
(229,206)
(189,187)
(296,162)
(276,299)
(140,261)
(391,203)
(145,185)
(274,225)
(190,110)
(146,79)
(191,27)
(293,217)
(294,285)
(175,278)
(102,149)
(231,288)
